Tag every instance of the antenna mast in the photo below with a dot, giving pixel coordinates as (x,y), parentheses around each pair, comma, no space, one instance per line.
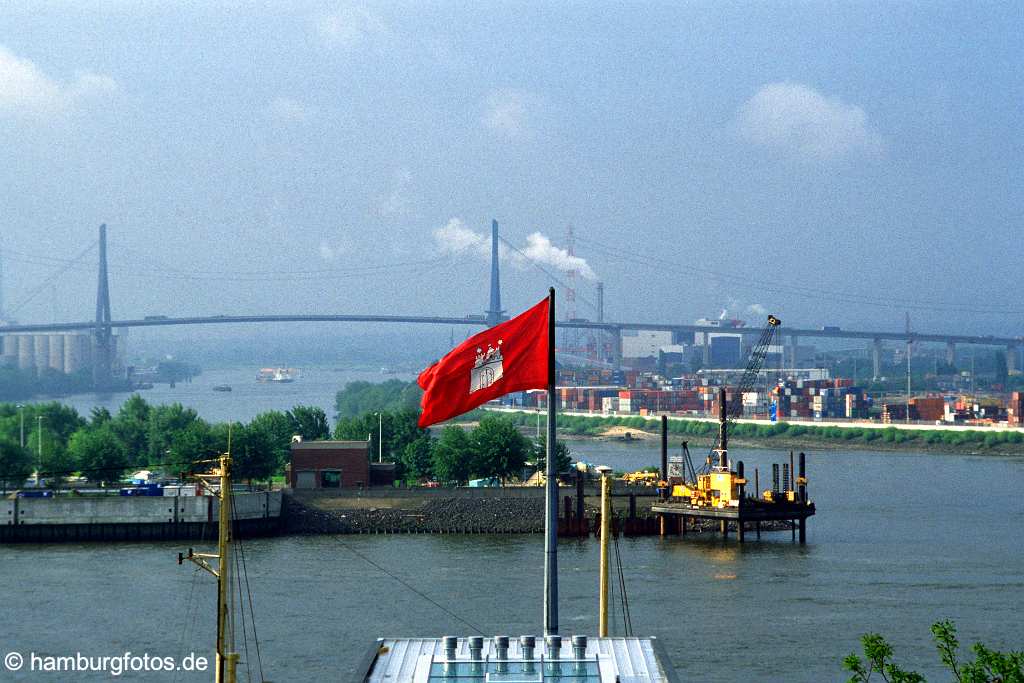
(227,659)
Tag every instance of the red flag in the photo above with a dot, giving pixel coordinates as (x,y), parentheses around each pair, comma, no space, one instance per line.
(512,356)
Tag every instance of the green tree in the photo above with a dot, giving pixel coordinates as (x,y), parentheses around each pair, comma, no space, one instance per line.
(55,463)
(309,422)
(989,666)
(164,426)
(416,460)
(359,398)
(499,449)
(15,464)
(131,424)
(195,442)
(452,455)
(274,429)
(356,428)
(253,452)
(98,453)
(400,429)
(563,457)
(61,420)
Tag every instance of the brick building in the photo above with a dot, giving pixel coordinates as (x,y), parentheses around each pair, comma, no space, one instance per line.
(329,464)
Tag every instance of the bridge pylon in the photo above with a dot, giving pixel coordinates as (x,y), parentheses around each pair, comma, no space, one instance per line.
(494,312)
(103,340)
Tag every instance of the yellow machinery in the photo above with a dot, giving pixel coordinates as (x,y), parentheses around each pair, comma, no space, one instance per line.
(641,478)
(717,485)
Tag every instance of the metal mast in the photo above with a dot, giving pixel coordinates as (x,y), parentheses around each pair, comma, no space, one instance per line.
(226,664)
(551,487)
(103,333)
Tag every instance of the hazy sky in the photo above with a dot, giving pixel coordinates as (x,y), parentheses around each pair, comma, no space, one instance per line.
(835,163)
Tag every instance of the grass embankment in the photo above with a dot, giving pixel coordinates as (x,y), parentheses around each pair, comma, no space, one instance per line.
(787,435)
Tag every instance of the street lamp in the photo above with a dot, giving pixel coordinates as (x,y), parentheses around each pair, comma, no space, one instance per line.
(380,437)
(39,444)
(21,409)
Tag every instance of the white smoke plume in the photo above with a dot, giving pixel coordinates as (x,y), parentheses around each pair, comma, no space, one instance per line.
(540,249)
(734,307)
(456,238)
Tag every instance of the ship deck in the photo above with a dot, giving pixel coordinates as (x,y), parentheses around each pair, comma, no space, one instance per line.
(604,660)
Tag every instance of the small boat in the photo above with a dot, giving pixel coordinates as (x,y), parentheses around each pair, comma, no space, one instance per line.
(222,387)
(278,375)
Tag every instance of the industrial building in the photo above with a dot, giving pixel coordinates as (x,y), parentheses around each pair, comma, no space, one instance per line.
(329,465)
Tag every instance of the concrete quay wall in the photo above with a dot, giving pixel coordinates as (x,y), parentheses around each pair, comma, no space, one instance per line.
(133,517)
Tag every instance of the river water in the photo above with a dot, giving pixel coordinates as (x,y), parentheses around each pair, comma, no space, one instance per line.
(900,540)
(315,386)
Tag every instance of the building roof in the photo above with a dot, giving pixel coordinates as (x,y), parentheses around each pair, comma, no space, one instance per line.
(332,445)
(605,660)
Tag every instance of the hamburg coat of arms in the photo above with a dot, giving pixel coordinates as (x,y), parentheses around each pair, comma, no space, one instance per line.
(487,369)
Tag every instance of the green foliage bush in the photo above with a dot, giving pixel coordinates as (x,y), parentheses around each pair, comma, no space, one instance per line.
(988,666)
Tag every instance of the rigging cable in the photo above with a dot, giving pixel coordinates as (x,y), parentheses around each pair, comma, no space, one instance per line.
(412,588)
(627,619)
(238,581)
(188,625)
(252,613)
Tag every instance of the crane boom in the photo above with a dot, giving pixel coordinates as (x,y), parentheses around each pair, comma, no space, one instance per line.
(753,369)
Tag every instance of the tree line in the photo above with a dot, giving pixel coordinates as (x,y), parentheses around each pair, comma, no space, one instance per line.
(102,447)
(493,448)
(173,439)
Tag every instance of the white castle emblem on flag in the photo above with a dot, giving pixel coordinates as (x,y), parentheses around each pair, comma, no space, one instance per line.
(487,369)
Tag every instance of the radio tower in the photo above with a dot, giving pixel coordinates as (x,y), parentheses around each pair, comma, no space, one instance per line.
(570,294)
(573,342)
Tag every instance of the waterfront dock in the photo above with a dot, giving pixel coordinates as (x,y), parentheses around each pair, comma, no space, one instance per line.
(748,515)
(129,518)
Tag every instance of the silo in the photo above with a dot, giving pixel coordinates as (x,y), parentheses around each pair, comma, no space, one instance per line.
(42,351)
(9,350)
(57,352)
(74,352)
(26,352)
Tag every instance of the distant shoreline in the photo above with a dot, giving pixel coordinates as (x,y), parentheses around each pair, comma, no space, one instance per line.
(790,435)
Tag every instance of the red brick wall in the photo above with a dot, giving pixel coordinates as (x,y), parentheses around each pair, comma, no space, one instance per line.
(353,463)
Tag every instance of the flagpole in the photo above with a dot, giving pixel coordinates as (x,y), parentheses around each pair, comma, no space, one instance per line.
(551,489)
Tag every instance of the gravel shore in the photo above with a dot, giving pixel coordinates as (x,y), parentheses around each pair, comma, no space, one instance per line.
(439,515)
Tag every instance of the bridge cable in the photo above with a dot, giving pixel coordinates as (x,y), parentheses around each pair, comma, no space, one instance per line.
(796,290)
(544,270)
(35,292)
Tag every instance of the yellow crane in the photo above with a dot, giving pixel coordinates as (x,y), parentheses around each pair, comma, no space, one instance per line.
(717,485)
